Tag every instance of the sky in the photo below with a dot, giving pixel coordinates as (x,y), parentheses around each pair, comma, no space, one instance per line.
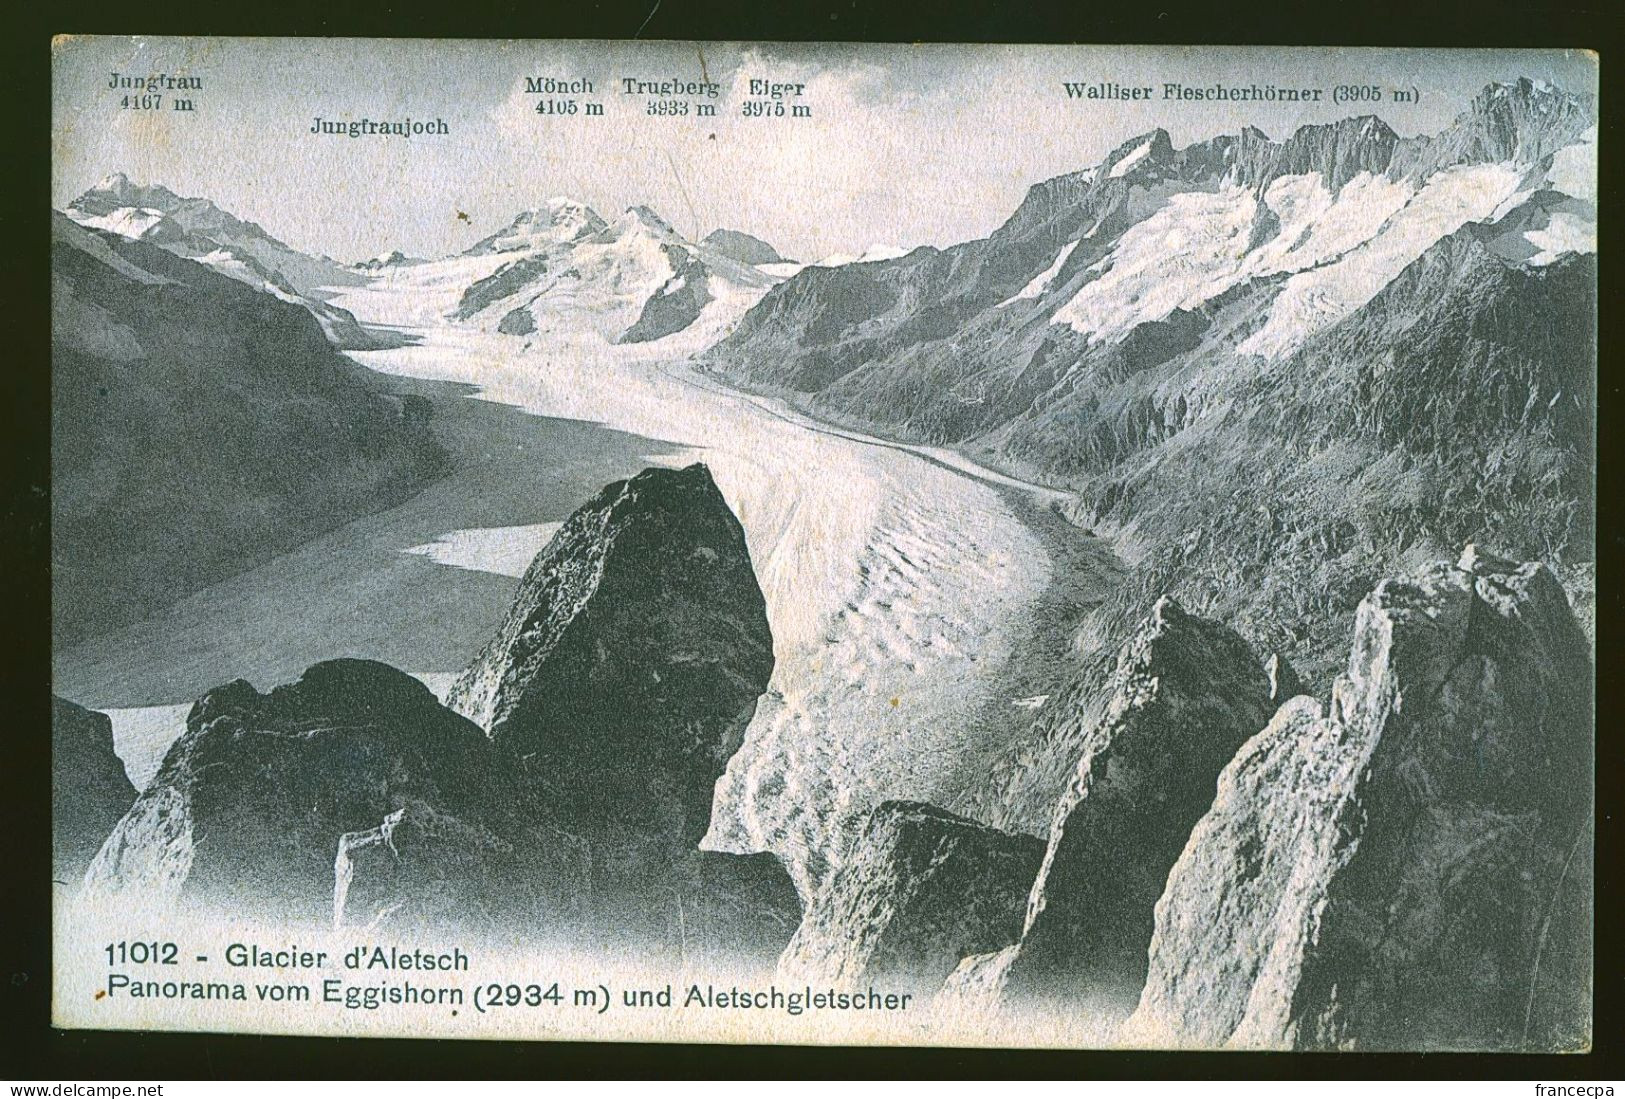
(905,145)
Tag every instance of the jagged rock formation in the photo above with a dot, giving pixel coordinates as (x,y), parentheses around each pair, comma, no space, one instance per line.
(612,698)
(920,889)
(198,428)
(1185,693)
(90,790)
(263,792)
(631,662)
(632,280)
(1272,367)
(742,247)
(1411,868)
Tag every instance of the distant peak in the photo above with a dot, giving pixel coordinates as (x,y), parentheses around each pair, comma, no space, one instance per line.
(1154,146)
(117,191)
(558,220)
(558,210)
(742,247)
(648,217)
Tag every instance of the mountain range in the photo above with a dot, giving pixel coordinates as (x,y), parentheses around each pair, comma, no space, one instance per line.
(1267,368)
(198,229)
(633,280)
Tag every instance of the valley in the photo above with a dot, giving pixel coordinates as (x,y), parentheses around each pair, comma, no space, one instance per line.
(914,599)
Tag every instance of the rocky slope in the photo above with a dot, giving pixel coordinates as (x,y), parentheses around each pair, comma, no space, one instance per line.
(197,229)
(1148,741)
(90,790)
(1272,369)
(198,427)
(1409,867)
(921,889)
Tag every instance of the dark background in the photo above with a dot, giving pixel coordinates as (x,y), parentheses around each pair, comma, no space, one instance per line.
(32,1051)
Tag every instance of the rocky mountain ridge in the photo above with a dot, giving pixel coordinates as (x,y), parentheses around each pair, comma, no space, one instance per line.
(1405,867)
(197,229)
(1171,316)
(1410,865)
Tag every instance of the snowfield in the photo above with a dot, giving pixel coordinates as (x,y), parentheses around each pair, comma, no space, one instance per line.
(897,583)
(1339,249)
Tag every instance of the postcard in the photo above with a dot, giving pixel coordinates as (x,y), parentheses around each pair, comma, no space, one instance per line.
(1034,546)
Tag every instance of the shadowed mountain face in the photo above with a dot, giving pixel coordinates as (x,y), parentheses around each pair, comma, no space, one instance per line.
(1144,735)
(921,889)
(199,427)
(1273,368)
(632,659)
(264,791)
(633,280)
(742,247)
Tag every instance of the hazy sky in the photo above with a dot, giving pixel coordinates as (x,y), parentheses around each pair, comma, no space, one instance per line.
(906,144)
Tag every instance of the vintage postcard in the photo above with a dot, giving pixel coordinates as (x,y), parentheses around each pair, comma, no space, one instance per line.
(726,542)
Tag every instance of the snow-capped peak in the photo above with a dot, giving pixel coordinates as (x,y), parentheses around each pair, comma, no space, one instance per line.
(559,220)
(565,214)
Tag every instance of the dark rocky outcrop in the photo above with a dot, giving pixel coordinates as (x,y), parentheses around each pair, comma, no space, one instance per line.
(90,790)
(517,322)
(1184,695)
(263,792)
(1284,680)
(741,247)
(1411,868)
(920,889)
(425,868)
(631,662)
(504,282)
(728,908)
